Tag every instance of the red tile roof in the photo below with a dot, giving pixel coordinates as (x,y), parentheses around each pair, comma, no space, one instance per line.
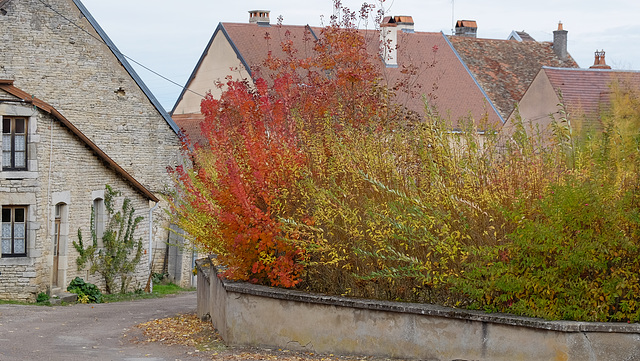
(427,65)
(190,125)
(461,77)
(254,42)
(587,92)
(504,68)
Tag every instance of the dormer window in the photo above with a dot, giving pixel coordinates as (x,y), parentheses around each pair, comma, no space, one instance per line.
(14,143)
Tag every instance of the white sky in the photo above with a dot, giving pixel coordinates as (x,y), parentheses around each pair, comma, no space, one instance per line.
(169,36)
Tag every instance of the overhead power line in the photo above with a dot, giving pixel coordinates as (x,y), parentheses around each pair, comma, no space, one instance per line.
(115,50)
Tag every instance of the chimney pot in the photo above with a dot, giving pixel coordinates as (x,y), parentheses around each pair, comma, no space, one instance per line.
(599,62)
(560,26)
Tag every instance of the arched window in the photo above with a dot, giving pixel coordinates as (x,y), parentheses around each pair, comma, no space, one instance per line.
(98,218)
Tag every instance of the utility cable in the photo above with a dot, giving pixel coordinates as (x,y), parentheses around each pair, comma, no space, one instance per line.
(115,50)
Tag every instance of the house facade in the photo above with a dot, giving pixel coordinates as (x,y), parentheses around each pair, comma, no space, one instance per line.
(52,177)
(57,52)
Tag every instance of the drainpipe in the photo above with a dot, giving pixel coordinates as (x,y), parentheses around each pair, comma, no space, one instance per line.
(151,245)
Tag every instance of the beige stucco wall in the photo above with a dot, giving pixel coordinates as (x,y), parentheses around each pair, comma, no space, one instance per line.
(219,62)
(62,169)
(535,107)
(251,315)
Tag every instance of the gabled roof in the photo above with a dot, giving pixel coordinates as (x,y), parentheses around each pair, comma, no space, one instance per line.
(504,68)
(520,36)
(123,60)
(439,75)
(588,91)
(7,86)
(252,42)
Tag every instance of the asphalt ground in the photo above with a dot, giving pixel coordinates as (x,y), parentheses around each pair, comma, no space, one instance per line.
(89,332)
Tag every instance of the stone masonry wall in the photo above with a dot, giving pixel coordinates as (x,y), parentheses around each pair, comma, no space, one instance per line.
(72,69)
(65,171)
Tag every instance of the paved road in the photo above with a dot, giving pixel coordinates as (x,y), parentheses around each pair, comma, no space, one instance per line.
(88,332)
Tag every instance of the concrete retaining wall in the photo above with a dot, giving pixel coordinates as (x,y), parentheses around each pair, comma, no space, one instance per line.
(252,315)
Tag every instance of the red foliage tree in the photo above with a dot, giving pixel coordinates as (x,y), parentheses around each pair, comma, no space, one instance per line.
(257,135)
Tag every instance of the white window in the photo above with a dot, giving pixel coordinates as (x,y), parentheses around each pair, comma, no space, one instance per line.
(14,231)
(14,143)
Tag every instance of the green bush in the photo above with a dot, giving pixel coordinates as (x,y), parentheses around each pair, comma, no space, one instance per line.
(87,292)
(42,297)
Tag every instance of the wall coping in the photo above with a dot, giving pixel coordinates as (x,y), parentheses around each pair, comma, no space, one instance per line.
(426,309)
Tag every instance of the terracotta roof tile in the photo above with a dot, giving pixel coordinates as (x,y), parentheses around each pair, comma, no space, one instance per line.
(189,124)
(504,68)
(438,74)
(587,92)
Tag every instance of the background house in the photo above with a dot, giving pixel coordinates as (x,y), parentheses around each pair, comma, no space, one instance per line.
(56,51)
(585,94)
(462,77)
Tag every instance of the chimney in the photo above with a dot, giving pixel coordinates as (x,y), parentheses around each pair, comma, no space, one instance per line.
(260,17)
(467,28)
(389,29)
(560,43)
(405,23)
(599,62)
(389,41)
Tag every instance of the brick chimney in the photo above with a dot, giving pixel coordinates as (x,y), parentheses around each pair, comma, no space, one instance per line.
(560,42)
(599,62)
(467,28)
(260,17)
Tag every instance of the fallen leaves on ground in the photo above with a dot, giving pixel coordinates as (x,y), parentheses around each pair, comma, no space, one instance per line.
(188,330)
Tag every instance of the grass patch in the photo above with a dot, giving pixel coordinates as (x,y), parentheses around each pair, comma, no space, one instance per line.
(159,290)
(12,302)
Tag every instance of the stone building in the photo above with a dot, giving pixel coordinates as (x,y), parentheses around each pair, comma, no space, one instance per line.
(54,50)
(52,175)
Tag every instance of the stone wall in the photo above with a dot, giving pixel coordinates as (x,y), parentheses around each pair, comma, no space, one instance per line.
(62,170)
(251,315)
(74,70)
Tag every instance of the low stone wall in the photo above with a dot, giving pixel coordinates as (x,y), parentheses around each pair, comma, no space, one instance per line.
(251,315)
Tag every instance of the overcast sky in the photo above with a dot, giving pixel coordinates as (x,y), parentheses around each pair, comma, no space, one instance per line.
(169,36)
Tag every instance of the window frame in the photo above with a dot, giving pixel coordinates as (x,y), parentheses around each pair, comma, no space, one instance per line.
(12,139)
(12,222)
